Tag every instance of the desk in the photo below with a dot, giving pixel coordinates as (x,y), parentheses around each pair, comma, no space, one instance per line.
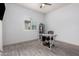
(50,41)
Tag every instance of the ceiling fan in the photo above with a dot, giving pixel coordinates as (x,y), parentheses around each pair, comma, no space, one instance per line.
(43,4)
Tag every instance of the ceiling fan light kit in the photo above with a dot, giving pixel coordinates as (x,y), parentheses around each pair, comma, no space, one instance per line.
(43,5)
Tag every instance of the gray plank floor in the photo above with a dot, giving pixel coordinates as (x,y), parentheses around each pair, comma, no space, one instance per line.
(35,48)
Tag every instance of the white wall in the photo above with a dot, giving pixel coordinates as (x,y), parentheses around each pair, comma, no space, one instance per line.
(65,23)
(1,35)
(13,24)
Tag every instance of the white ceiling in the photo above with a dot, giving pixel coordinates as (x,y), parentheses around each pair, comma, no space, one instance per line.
(36,6)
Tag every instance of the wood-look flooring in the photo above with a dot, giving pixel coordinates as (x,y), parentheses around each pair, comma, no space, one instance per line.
(35,48)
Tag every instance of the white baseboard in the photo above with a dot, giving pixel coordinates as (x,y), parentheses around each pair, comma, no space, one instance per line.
(19,42)
(65,41)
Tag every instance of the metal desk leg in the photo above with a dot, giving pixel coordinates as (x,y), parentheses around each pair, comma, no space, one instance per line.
(50,42)
(53,42)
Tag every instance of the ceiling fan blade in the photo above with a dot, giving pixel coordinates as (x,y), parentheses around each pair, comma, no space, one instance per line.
(47,4)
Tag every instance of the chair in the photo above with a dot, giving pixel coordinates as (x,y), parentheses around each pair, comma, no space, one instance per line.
(52,38)
(50,32)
